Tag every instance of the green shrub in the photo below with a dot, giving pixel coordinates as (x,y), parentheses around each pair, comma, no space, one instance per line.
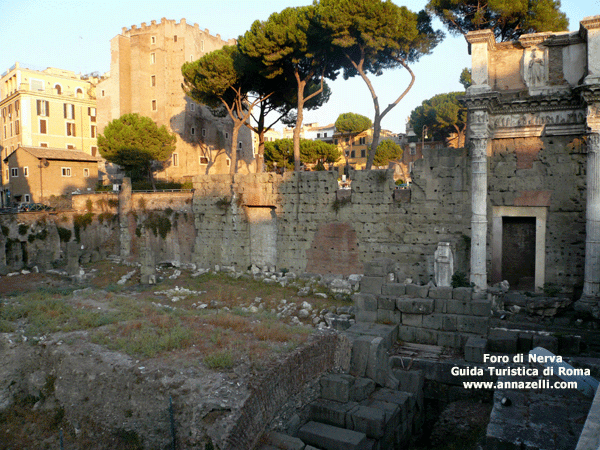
(460,279)
(23,229)
(82,222)
(221,360)
(64,234)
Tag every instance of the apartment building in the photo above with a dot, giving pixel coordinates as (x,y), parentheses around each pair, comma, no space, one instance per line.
(50,108)
(145,78)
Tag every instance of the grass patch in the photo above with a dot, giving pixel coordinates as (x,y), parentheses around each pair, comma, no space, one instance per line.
(220,360)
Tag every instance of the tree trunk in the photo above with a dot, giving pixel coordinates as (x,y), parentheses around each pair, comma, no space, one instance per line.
(234,137)
(298,126)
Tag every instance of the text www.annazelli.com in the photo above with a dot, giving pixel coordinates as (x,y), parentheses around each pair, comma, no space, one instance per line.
(537,384)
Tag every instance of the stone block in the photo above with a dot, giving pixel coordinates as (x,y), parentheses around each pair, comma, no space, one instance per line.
(284,442)
(394,289)
(569,345)
(411,381)
(462,293)
(470,324)
(433,321)
(360,355)
(441,292)
(330,412)
(458,307)
(387,316)
(389,333)
(412,320)
(550,343)
(524,342)
(481,308)
(366,316)
(386,303)
(332,438)
(449,339)
(440,305)
(378,363)
(449,322)
(474,349)
(415,305)
(371,285)
(423,336)
(362,388)
(414,290)
(378,267)
(365,302)
(336,386)
(503,341)
(364,419)
(406,333)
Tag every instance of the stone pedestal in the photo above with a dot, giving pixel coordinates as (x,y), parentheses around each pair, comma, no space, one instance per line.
(443,265)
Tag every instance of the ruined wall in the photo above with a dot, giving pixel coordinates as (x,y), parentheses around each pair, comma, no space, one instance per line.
(545,172)
(323,230)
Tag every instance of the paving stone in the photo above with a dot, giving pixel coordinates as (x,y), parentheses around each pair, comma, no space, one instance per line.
(330,412)
(474,349)
(328,437)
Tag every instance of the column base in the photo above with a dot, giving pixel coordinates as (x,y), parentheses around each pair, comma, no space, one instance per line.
(588,304)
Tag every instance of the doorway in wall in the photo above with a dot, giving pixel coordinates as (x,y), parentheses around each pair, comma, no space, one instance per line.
(518,252)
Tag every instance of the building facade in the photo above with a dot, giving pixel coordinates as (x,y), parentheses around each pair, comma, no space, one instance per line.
(50,108)
(145,78)
(534,139)
(34,174)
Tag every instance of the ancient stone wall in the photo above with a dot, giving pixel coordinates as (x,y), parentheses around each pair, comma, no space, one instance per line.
(322,229)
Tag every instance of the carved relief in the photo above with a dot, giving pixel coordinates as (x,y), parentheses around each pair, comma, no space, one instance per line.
(543,118)
(593,143)
(535,66)
(593,117)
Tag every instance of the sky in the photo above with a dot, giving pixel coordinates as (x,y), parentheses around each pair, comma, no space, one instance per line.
(75,35)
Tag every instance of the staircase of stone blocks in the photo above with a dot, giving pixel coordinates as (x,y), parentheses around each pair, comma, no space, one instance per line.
(371,407)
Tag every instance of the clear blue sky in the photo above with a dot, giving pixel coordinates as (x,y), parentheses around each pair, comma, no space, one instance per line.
(75,35)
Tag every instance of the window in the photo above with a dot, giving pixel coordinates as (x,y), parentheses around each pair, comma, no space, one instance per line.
(102,93)
(347,140)
(43,108)
(318,135)
(92,114)
(70,129)
(203,132)
(17,127)
(324,134)
(193,131)
(93,150)
(14,172)
(70,147)
(86,173)
(153,39)
(4,112)
(44,144)
(203,160)
(201,46)
(17,107)
(175,159)
(152,58)
(9,111)
(353,154)
(362,141)
(363,153)
(239,145)
(11,129)
(27,198)
(58,89)
(93,131)
(5,135)
(191,58)
(25,171)
(192,107)
(226,135)
(413,149)
(152,80)
(66,171)
(335,141)
(153,105)
(79,93)
(43,126)
(69,111)
(175,38)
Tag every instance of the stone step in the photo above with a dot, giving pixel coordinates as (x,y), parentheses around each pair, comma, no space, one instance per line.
(328,437)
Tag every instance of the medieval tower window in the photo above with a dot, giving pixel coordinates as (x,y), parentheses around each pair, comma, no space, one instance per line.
(58,89)
(153,105)
(153,80)
(153,40)
(175,38)
(152,58)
